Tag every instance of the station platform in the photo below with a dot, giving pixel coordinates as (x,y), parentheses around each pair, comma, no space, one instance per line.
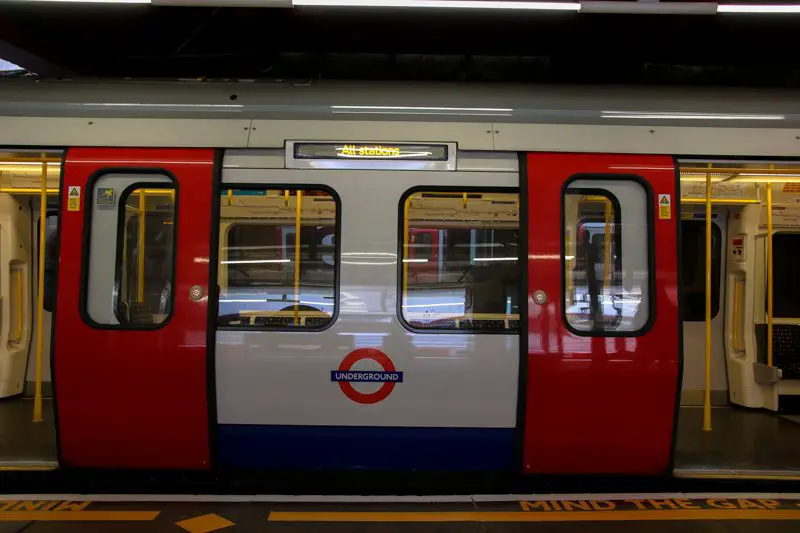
(718,513)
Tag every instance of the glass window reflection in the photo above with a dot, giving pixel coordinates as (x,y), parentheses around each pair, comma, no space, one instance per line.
(460,260)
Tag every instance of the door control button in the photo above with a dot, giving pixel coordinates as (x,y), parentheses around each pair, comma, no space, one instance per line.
(196,292)
(539,297)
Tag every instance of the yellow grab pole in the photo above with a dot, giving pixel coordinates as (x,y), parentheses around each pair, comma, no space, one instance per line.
(142,213)
(405,250)
(19,305)
(607,245)
(707,395)
(769,274)
(37,398)
(297,258)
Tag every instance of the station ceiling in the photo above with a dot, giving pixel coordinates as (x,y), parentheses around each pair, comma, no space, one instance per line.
(54,39)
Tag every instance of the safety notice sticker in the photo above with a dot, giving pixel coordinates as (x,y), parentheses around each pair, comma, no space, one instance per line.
(74,198)
(664,206)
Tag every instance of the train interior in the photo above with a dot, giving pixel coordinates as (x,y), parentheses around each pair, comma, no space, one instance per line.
(740,401)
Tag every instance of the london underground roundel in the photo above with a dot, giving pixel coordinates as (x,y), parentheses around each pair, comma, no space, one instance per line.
(345,376)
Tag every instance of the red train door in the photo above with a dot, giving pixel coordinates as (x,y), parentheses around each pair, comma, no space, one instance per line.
(130,350)
(603,324)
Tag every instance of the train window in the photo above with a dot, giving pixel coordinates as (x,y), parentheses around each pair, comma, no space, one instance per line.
(693,269)
(145,250)
(278,259)
(606,256)
(460,260)
(130,283)
(785,283)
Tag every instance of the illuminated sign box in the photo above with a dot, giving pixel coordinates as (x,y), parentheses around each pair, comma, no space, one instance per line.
(350,151)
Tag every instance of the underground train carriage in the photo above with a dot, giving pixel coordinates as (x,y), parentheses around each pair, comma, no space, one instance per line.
(336,325)
(310,328)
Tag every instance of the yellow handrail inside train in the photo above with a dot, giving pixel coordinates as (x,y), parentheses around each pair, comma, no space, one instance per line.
(19,305)
(707,392)
(37,399)
(609,213)
(298,209)
(769,274)
(140,247)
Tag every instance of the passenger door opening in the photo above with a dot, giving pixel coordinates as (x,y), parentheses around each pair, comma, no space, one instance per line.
(27,424)
(753,392)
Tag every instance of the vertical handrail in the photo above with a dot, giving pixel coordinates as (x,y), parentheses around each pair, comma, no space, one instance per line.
(405,250)
(140,258)
(37,398)
(707,395)
(297,258)
(19,305)
(607,245)
(737,315)
(769,274)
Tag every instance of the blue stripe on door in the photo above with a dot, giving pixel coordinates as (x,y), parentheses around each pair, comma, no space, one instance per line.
(369,448)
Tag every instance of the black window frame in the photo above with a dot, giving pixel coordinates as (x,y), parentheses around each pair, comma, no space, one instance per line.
(650,232)
(337,268)
(87,233)
(521,262)
(716,231)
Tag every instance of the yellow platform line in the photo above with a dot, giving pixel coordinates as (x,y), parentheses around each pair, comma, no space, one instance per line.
(518,516)
(78,516)
(769,477)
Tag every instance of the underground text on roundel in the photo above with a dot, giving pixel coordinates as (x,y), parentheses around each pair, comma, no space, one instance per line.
(367,377)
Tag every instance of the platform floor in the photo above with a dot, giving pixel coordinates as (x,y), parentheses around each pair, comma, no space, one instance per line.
(742,441)
(583,513)
(22,441)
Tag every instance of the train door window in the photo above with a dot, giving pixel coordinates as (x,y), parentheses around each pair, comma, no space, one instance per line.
(607,256)
(693,269)
(278,258)
(785,282)
(131,265)
(460,260)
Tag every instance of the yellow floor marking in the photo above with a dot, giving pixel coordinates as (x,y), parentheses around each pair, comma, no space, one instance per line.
(77,516)
(518,516)
(782,477)
(205,523)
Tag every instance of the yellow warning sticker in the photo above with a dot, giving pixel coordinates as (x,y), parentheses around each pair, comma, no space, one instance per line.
(664,206)
(74,198)
(790,186)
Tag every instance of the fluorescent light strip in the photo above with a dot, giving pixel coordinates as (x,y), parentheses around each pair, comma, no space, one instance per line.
(688,116)
(416,108)
(455,4)
(133,104)
(756,8)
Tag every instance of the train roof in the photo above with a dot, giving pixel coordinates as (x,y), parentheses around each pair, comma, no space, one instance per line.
(400,101)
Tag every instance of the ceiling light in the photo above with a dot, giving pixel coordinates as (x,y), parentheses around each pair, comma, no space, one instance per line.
(446,4)
(699,176)
(667,115)
(755,177)
(420,110)
(756,8)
